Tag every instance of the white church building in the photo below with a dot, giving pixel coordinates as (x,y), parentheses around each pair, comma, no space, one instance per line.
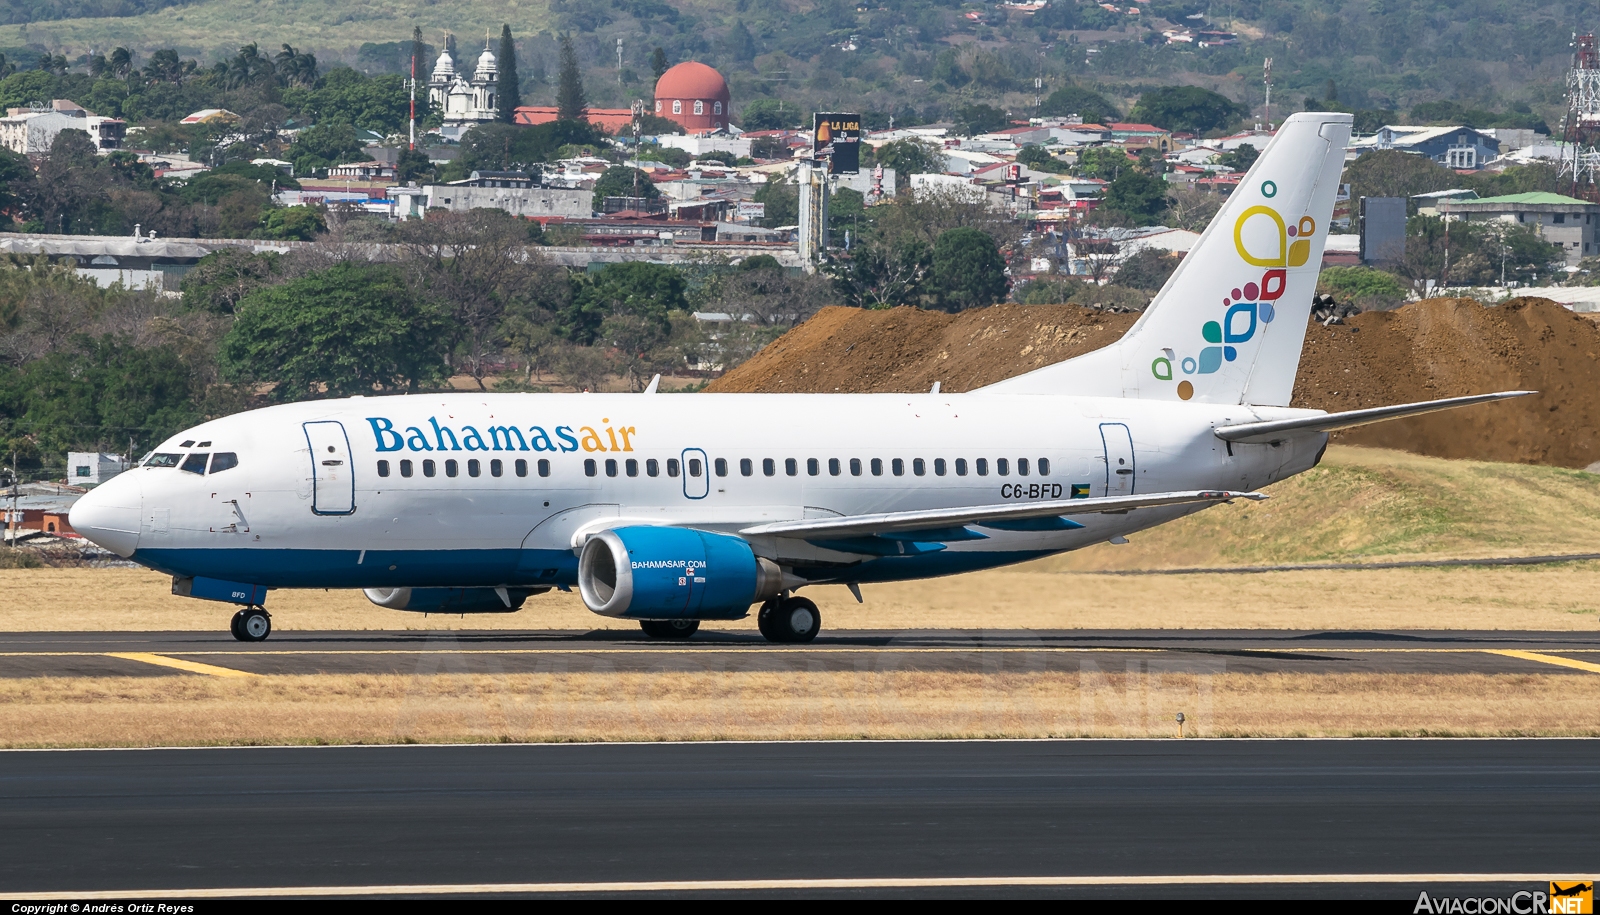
(465,102)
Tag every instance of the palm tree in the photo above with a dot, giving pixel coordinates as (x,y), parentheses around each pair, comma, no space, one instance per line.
(121,62)
(296,69)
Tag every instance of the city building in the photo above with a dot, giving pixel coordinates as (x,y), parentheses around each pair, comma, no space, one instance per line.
(695,96)
(464,101)
(516,193)
(1461,148)
(93,467)
(1569,223)
(31,131)
(613,120)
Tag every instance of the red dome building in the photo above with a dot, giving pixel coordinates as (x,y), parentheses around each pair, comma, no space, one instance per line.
(694,95)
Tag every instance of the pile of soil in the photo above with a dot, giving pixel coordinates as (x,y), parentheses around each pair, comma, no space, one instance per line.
(1426,350)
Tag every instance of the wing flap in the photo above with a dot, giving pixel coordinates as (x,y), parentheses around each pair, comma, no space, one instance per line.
(946,518)
(1277,430)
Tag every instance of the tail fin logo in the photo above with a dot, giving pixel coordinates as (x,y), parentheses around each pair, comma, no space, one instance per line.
(1262,239)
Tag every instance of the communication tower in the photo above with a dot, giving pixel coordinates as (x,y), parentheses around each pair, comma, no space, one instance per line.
(1579,157)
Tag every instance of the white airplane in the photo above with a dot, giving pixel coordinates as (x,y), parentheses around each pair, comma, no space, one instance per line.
(676,509)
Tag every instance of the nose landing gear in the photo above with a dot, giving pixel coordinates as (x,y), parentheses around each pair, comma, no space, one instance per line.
(252,624)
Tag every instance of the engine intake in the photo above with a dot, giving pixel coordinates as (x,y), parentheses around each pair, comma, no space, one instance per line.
(452,600)
(675,573)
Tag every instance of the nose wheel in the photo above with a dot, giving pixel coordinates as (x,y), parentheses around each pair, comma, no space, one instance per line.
(793,620)
(252,624)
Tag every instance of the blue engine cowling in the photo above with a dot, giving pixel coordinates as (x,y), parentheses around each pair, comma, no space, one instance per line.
(673,573)
(451,600)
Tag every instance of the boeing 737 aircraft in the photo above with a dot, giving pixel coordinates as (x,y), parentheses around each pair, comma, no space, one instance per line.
(676,509)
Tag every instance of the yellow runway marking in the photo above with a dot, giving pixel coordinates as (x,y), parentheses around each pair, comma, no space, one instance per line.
(1549,659)
(703,886)
(193,667)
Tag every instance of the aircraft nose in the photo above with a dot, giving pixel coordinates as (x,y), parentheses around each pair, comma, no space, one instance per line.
(109,514)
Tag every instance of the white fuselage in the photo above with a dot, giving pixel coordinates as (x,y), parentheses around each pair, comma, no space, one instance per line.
(309,504)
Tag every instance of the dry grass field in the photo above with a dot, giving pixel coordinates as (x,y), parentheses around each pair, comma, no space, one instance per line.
(1113,702)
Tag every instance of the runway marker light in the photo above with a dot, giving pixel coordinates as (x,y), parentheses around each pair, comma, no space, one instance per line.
(1180,725)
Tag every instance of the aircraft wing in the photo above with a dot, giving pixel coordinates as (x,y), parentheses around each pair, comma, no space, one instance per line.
(1277,430)
(936,522)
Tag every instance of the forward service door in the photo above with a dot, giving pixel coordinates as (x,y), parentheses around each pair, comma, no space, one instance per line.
(1118,443)
(333,486)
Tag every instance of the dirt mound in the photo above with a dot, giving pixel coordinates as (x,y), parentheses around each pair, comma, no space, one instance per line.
(1429,349)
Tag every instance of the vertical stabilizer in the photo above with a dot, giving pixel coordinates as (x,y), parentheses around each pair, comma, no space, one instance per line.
(1228,326)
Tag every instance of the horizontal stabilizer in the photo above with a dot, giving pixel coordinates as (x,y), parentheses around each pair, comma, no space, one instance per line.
(1279,429)
(946,518)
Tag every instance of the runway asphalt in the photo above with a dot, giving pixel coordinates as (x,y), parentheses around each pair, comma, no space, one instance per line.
(101,654)
(1376,818)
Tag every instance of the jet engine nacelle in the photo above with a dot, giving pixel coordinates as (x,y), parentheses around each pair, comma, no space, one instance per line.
(658,573)
(452,600)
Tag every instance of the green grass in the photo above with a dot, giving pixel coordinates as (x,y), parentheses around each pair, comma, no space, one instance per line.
(1367,504)
(210,27)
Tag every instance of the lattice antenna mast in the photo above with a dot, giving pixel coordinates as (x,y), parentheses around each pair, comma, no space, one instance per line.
(1579,157)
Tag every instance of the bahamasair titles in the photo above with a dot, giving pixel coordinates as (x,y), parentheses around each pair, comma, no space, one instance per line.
(673,509)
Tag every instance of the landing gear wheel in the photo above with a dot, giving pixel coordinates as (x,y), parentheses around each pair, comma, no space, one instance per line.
(669,629)
(252,625)
(233,625)
(792,621)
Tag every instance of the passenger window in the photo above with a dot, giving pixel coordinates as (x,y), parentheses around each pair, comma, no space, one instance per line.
(631,466)
(522,467)
(474,468)
(855,467)
(695,468)
(1003,467)
(405,468)
(590,469)
(769,467)
(428,468)
(227,460)
(1022,467)
(497,468)
(898,466)
(452,468)
(983,466)
(653,467)
(611,467)
(162,460)
(833,467)
(919,467)
(383,468)
(672,467)
(813,467)
(1044,467)
(722,466)
(195,463)
(877,467)
(746,468)
(791,467)
(938,467)
(544,468)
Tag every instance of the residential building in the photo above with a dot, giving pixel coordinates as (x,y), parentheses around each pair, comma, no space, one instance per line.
(30,131)
(1460,148)
(1135,137)
(363,171)
(614,120)
(1569,223)
(94,467)
(1428,204)
(1080,134)
(698,144)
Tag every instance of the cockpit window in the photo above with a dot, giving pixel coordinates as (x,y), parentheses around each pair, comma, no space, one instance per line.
(162,460)
(224,460)
(186,444)
(195,463)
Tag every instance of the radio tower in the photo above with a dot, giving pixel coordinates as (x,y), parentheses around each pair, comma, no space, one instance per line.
(1579,158)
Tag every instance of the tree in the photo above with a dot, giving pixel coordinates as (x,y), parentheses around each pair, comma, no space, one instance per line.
(318,148)
(510,86)
(1190,207)
(513,147)
(968,271)
(570,102)
(910,157)
(1392,173)
(1107,163)
(300,223)
(294,68)
(947,69)
(884,274)
(976,119)
(1146,269)
(782,202)
(223,278)
(349,329)
(1137,195)
(770,114)
(623,181)
(658,63)
(635,288)
(1187,109)
(1070,100)
(1241,158)
(1365,287)
(741,44)
(1035,157)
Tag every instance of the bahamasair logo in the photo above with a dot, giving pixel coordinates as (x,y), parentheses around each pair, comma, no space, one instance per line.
(437,436)
(1262,239)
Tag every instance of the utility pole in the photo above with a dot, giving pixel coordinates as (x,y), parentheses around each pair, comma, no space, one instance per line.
(1266,77)
(416,48)
(619,61)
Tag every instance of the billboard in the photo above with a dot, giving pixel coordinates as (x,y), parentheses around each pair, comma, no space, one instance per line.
(837,138)
(749,209)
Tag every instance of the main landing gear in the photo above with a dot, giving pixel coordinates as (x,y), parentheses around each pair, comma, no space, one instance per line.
(793,620)
(252,624)
(669,629)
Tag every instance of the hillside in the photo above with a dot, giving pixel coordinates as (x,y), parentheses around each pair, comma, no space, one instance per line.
(1430,349)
